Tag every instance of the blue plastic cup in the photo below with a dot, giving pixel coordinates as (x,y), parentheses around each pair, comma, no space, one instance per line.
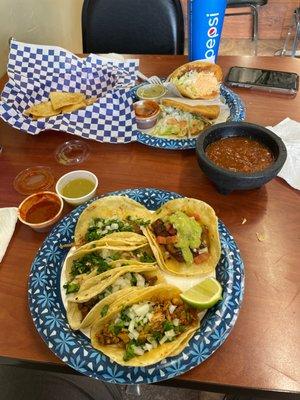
(206,19)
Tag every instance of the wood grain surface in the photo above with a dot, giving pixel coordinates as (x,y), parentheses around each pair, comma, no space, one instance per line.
(262,351)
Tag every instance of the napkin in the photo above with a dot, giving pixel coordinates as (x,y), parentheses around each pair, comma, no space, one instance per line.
(35,70)
(289,131)
(8,219)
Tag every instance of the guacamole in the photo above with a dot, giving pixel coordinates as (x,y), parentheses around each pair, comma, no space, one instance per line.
(188,234)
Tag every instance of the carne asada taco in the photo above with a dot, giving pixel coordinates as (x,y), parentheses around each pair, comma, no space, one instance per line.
(184,237)
(108,215)
(97,293)
(198,79)
(150,325)
(86,263)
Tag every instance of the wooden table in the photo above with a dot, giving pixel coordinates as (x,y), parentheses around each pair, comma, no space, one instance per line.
(262,353)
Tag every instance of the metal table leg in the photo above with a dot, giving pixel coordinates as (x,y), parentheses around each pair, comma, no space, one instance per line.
(297,32)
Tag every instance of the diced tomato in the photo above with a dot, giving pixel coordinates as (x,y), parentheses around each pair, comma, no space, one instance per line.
(201,257)
(166,239)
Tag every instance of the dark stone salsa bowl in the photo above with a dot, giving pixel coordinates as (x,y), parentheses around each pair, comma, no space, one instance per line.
(225,180)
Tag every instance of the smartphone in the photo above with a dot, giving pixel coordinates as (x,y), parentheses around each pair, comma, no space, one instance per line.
(263,79)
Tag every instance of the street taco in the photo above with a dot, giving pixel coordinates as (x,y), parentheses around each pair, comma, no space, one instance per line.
(91,261)
(108,215)
(184,237)
(198,80)
(99,292)
(150,325)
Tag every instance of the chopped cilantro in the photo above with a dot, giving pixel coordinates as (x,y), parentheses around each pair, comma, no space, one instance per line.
(179,329)
(71,287)
(138,221)
(100,227)
(133,280)
(129,352)
(104,310)
(168,326)
(116,329)
(88,262)
(123,315)
(147,258)
(102,266)
(115,256)
(157,336)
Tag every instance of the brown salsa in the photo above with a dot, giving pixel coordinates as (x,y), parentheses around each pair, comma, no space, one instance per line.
(240,154)
(145,108)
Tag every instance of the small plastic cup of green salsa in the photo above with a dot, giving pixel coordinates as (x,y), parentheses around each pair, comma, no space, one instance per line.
(151,91)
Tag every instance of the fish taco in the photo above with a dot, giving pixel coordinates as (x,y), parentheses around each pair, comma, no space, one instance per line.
(184,237)
(96,294)
(108,215)
(150,325)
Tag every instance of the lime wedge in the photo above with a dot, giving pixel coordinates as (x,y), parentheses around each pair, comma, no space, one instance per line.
(203,295)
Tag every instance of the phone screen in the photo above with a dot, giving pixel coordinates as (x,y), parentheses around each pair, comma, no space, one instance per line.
(262,77)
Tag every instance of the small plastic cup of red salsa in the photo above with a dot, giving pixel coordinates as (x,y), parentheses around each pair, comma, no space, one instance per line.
(41,210)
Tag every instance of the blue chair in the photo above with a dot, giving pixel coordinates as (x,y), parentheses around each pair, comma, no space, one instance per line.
(133,27)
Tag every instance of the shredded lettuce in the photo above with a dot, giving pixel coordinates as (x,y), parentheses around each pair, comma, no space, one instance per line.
(179,123)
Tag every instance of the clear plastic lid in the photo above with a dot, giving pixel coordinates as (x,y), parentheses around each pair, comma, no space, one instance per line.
(72,152)
(34,179)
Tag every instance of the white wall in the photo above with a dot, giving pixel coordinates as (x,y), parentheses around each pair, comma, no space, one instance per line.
(52,22)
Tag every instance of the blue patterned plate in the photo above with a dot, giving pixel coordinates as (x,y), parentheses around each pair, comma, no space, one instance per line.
(74,348)
(237,113)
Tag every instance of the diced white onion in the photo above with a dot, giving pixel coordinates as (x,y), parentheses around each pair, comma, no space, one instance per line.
(141,309)
(135,334)
(175,321)
(138,350)
(140,280)
(170,334)
(172,308)
(114,226)
(163,340)
(131,314)
(131,326)
(148,346)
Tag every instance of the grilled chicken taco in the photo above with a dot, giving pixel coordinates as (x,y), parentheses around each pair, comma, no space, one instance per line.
(150,325)
(184,237)
(108,215)
(89,261)
(183,120)
(96,294)
(198,80)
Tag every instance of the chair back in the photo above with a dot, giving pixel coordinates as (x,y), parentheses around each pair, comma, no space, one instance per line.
(245,3)
(133,26)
